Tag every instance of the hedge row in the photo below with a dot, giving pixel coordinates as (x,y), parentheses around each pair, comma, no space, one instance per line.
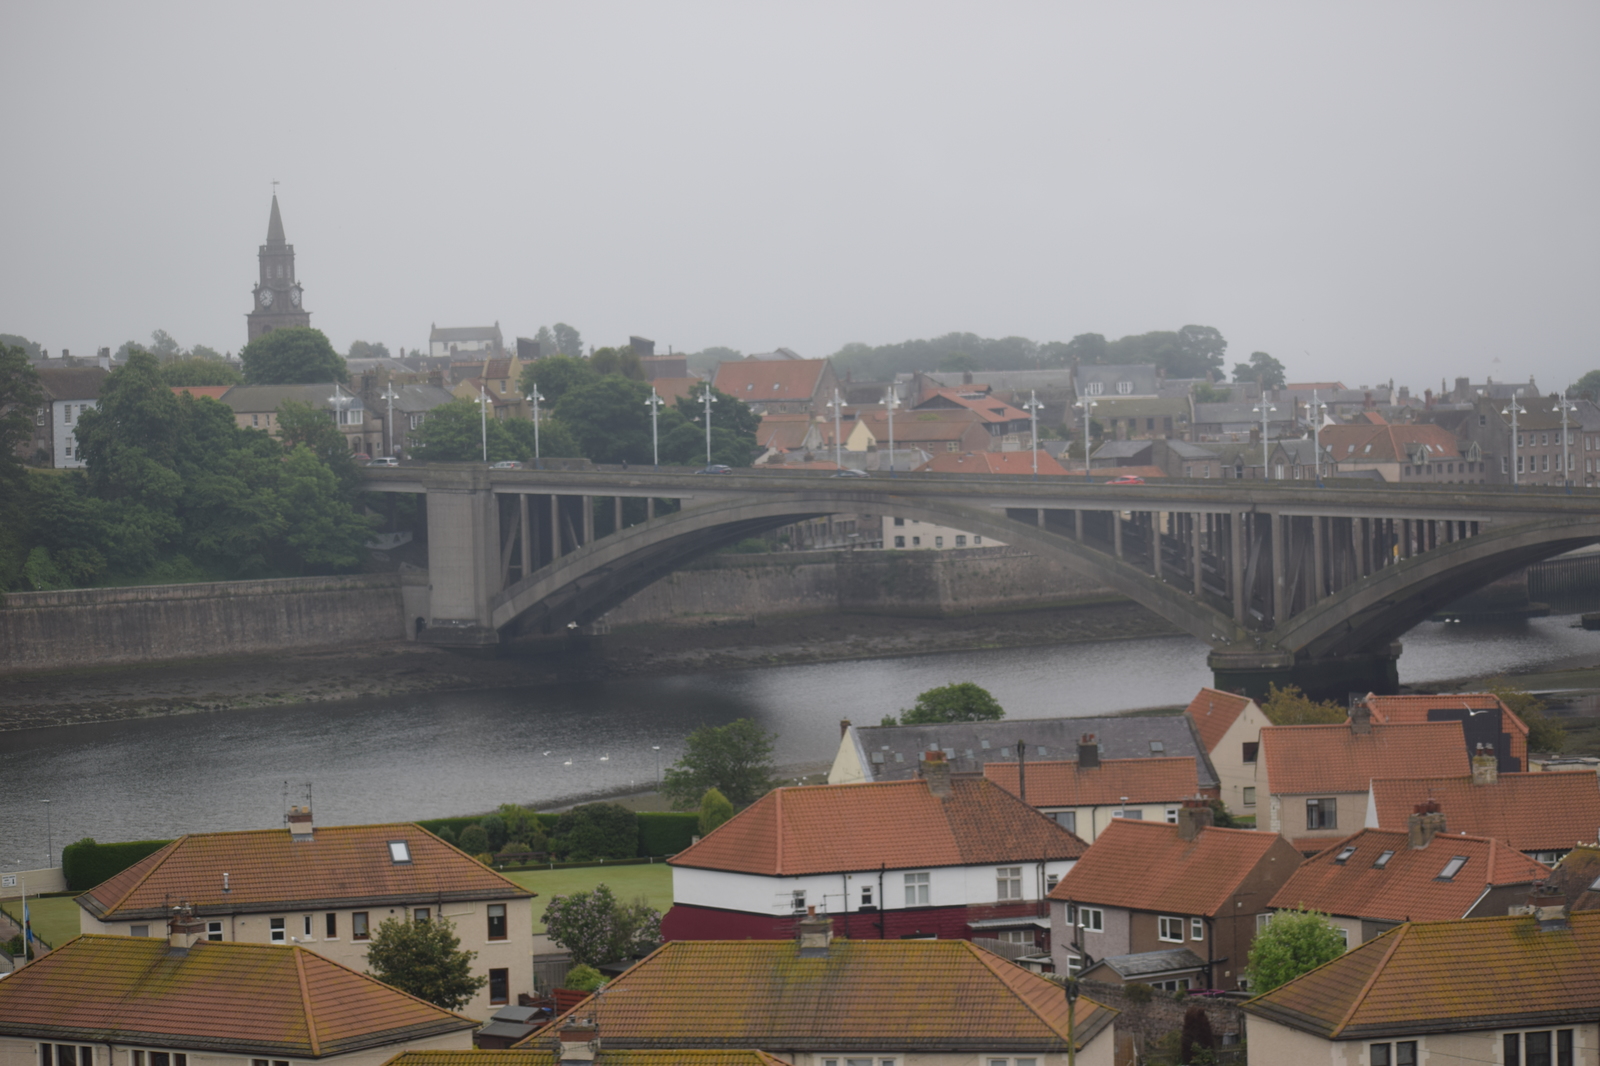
(86,864)
(660,832)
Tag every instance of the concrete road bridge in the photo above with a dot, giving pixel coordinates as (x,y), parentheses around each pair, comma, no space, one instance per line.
(1287,581)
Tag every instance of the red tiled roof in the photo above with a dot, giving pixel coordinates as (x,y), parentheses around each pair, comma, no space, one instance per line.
(913,426)
(1146,866)
(1366,443)
(770,381)
(1061,783)
(1530,812)
(1407,886)
(987,407)
(341,864)
(898,824)
(674,389)
(1430,977)
(604,1057)
(884,995)
(1576,875)
(221,996)
(785,432)
(1213,712)
(1416,708)
(1303,759)
(197,391)
(988,462)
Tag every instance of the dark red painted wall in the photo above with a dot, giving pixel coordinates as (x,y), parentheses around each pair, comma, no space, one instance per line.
(686,922)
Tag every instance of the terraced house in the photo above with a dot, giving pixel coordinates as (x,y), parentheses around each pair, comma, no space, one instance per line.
(327,890)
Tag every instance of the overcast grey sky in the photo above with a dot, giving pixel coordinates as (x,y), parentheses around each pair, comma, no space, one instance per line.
(1401,189)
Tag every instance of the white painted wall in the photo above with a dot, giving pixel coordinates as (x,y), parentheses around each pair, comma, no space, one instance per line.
(1277,1043)
(33,882)
(948,886)
(21,1051)
(1092,820)
(64,416)
(1233,773)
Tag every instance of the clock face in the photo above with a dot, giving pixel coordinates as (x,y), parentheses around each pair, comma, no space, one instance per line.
(294,297)
(266,297)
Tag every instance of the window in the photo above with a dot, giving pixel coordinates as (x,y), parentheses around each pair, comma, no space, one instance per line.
(1172,816)
(1322,813)
(1383,860)
(255,420)
(66,417)
(977,539)
(1249,796)
(66,1055)
(306,924)
(961,541)
(899,521)
(797,901)
(1250,750)
(938,542)
(866,898)
(399,851)
(1094,388)
(899,542)
(1344,854)
(1050,882)
(213,930)
(916,542)
(497,921)
(1169,929)
(1544,1048)
(1015,936)
(1008,882)
(1067,820)
(499,986)
(1197,929)
(358,926)
(1092,919)
(1452,868)
(269,1062)
(917,890)
(138,930)
(421,914)
(1178,985)
(1262,921)
(330,927)
(1132,816)
(276,931)
(1125,388)
(1402,1053)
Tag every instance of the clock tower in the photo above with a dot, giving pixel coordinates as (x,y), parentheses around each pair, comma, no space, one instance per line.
(278,300)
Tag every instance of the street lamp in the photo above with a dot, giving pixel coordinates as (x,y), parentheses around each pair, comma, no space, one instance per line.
(1316,439)
(708,399)
(654,403)
(340,401)
(1033,407)
(890,401)
(49,836)
(390,396)
(657,749)
(1263,409)
(1088,406)
(838,445)
(534,398)
(1514,410)
(1564,405)
(483,409)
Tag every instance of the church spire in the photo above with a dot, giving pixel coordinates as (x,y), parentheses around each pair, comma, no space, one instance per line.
(275,225)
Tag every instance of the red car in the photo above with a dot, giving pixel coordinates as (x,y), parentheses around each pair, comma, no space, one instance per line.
(1126,479)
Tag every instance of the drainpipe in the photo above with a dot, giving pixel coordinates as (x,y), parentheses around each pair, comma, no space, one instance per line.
(883,904)
(1022,771)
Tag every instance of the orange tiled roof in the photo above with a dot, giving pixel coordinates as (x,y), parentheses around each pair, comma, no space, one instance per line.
(988,407)
(913,426)
(1415,709)
(605,1057)
(1367,443)
(1428,977)
(1213,712)
(1146,866)
(898,824)
(1407,885)
(341,865)
(1576,875)
(674,389)
(988,462)
(771,380)
(1303,759)
(223,996)
(1061,783)
(197,391)
(1531,812)
(944,995)
(784,431)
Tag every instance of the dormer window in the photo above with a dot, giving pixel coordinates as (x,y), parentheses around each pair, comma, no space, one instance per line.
(1094,388)
(1125,388)
(1383,860)
(399,852)
(1157,748)
(1452,868)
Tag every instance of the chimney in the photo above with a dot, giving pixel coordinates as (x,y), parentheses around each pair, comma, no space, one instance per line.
(1485,766)
(813,934)
(1022,771)
(183,930)
(300,824)
(1426,823)
(1360,718)
(104,358)
(1193,816)
(1088,753)
(580,1041)
(937,771)
(1545,904)
(844,728)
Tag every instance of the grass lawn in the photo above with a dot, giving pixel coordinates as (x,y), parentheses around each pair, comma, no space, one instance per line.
(55,920)
(653,881)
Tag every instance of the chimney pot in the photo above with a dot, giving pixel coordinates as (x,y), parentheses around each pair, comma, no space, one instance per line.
(936,769)
(300,826)
(1485,766)
(1194,816)
(1426,823)
(1360,717)
(1088,752)
(814,933)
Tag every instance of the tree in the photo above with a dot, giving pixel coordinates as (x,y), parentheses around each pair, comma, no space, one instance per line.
(555,439)
(714,810)
(301,423)
(474,839)
(296,355)
(1085,348)
(592,831)
(201,351)
(706,360)
(546,342)
(1294,942)
(1200,349)
(727,412)
(623,362)
(1544,734)
(363,350)
(163,347)
(596,929)
(200,371)
(1205,392)
(582,978)
(1262,369)
(568,342)
(554,377)
(1587,387)
(959,702)
(455,433)
(1289,706)
(735,759)
(425,959)
(20,397)
(610,420)
(323,531)
(1197,1044)
(30,349)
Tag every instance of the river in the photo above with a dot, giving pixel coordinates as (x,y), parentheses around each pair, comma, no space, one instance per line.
(402,757)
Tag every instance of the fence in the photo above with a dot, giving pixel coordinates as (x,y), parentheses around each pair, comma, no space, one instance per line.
(1573,581)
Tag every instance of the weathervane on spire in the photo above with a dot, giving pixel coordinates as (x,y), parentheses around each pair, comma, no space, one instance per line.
(274,186)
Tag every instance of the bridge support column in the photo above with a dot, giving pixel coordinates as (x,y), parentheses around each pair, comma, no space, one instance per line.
(588,520)
(1116,532)
(1196,525)
(1236,564)
(464,562)
(1334,678)
(555,528)
(526,534)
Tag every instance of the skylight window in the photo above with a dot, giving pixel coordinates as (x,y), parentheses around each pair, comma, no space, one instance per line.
(1345,853)
(1452,867)
(1383,860)
(1157,748)
(399,851)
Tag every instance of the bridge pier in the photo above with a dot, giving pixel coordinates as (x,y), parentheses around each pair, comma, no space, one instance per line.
(464,564)
(1332,678)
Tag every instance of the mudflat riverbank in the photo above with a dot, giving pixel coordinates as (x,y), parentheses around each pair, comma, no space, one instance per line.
(67,697)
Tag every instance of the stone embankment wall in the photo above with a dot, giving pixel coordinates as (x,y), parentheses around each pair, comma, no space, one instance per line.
(100,627)
(925,584)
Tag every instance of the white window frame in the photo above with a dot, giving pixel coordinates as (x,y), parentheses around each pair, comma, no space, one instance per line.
(919,889)
(1197,929)
(1007,882)
(1092,919)
(278,930)
(1169,929)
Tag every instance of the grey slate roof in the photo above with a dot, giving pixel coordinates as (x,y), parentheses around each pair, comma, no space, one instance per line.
(72,383)
(1184,450)
(968,745)
(1142,376)
(1153,963)
(1122,449)
(466,333)
(414,398)
(1212,413)
(255,399)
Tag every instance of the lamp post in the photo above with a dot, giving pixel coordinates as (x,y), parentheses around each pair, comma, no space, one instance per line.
(1088,406)
(654,403)
(534,398)
(1316,439)
(340,401)
(657,749)
(708,399)
(889,402)
(390,396)
(1514,410)
(1564,405)
(49,836)
(838,445)
(1264,409)
(483,409)
(1033,407)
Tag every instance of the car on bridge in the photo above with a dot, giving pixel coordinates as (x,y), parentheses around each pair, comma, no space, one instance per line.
(506,464)
(851,471)
(384,460)
(1126,479)
(716,468)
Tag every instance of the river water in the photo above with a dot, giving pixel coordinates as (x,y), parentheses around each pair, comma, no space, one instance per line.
(402,757)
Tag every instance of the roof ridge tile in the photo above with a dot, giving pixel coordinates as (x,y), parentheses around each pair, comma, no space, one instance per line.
(1372,978)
